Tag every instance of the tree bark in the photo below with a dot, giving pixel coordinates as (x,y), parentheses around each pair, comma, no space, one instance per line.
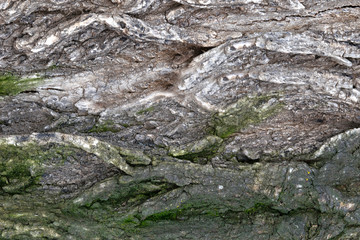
(179,119)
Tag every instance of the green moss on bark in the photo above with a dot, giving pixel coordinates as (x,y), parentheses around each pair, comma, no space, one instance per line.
(203,148)
(22,167)
(107,126)
(146,110)
(245,112)
(258,208)
(11,84)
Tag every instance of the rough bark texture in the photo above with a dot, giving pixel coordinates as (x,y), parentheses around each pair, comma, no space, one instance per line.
(179,119)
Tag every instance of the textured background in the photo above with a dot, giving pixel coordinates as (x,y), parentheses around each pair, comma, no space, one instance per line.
(179,119)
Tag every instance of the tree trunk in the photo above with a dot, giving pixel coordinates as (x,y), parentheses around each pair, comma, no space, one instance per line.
(179,119)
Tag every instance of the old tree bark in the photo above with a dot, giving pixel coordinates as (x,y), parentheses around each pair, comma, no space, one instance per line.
(179,119)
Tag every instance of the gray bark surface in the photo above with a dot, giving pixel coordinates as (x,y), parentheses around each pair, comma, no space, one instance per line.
(179,119)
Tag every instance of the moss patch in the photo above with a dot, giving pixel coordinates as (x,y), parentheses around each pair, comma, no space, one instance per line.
(146,110)
(129,224)
(195,208)
(165,215)
(259,207)
(134,156)
(203,148)
(21,167)
(11,84)
(110,194)
(107,126)
(245,112)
